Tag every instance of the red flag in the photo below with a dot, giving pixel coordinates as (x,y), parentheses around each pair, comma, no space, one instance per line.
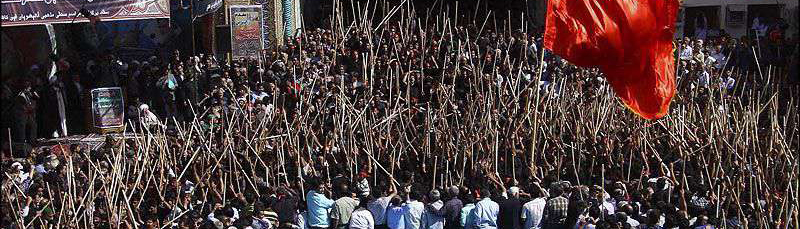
(629,40)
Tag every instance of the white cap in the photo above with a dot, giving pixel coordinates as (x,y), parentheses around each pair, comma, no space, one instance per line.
(17,165)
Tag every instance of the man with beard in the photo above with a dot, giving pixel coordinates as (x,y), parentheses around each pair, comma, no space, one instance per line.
(24,113)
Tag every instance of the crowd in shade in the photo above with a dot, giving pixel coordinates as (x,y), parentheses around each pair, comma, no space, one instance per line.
(406,126)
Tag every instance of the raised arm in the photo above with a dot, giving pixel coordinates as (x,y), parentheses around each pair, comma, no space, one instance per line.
(392,187)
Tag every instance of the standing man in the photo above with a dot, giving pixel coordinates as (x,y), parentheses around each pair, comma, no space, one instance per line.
(431,220)
(318,205)
(451,210)
(169,86)
(395,213)
(378,206)
(343,207)
(75,110)
(486,210)
(24,113)
(189,92)
(686,51)
(362,218)
(412,211)
(467,218)
(532,210)
(286,206)
(510,213)
(555,210)
(106,73)
(52,120)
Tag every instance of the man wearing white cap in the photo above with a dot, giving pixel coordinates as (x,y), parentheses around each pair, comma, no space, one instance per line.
(146,117)
(510,211)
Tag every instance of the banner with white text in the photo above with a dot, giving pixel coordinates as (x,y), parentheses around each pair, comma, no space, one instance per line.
(35,12)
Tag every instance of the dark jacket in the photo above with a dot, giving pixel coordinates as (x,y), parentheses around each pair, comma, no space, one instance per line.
(510,214)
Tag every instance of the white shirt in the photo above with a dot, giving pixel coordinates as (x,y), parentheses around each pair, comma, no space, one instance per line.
(532,48)
(260,223)
(212,218)
(486,212)
(466,216)
(413,214)
(686,53)
(702,79)
(632,222)
(756,24)
(362,219)
(432,221)
(711,61)
(532,213)
(378,209)
(257,96)
(147,118)
(609,207)
(721,59)
(729,83)
(301,220)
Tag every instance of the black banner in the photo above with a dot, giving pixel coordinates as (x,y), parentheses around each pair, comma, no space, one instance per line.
(33,12)
(203,7)
(108,107)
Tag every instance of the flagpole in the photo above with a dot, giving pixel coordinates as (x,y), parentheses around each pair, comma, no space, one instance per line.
(191,23)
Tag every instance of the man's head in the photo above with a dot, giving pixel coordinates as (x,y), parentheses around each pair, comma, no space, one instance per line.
(702,220)
(315,184)
(414,194)
(513,192)
(453,191)
(619,194)
(625,207)
(435,195)
(556,189)
(653,216)
(621,216)
(343,190)
(535,190)
(486,193)
(396,201)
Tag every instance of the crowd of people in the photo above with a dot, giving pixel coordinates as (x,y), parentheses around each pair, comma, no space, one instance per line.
(405,127)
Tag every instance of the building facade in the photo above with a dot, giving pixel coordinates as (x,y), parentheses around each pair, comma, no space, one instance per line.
(735,17)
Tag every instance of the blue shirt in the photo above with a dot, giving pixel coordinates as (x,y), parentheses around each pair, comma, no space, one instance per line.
(485,213)
(432,221)
(318,206)
(705,227)
(413,214)
(467,221)
(394,217)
